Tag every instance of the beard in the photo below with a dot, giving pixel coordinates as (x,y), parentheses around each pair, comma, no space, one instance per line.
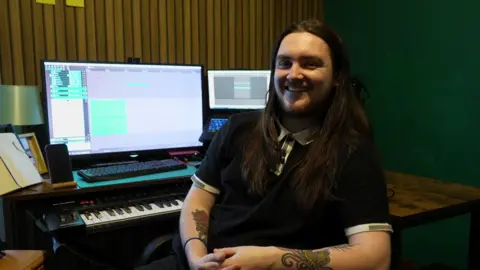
(316,106)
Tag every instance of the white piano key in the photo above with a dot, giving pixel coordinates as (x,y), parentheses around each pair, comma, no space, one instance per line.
(106,216)
(124,215)
(95,220)
(86,220)
(134,214)
(156,209)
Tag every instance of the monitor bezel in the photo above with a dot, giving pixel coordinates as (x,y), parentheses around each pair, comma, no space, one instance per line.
(87,160)
(233,110)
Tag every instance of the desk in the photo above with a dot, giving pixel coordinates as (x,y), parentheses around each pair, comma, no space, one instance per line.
(22,260)
(420,200)
(18,227)
(417,201)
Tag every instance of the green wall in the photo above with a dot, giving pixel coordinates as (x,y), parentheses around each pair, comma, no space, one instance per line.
(419,59)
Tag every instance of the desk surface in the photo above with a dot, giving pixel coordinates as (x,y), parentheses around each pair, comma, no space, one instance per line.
(413,194)
(22,259)
(416,195)
(44,189)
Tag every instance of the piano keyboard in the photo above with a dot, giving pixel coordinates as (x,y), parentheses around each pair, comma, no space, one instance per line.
(115,215)
(110,212)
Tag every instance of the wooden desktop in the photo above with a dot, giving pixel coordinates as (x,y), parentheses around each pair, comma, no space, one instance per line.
(22,260)
(420,200)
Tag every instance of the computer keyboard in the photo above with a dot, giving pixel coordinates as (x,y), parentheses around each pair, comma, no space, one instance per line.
(130,170)
(216,124)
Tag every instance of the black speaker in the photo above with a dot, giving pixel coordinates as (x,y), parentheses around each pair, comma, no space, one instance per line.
(133,60)
(58,162)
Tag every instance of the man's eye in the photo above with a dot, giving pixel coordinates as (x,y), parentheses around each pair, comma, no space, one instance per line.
(283,63)
(312,65)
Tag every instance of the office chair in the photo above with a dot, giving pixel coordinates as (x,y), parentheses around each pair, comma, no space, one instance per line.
(158,248)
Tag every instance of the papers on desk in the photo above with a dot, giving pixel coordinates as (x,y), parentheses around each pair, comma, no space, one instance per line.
(16,169)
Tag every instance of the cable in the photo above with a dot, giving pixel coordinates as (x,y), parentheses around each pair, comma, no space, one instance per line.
(184,162)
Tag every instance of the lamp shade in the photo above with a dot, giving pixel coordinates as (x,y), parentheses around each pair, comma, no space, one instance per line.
(20,105)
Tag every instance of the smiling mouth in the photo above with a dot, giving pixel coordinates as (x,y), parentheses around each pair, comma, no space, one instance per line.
(296,89)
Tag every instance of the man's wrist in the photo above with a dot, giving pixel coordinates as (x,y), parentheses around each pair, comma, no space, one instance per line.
(194,239)
(272,255)
(195,250)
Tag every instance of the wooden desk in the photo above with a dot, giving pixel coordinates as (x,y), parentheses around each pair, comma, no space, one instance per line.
(420,200)
(22,260)
(417,201)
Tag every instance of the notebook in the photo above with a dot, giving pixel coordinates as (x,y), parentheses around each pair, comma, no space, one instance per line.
(16,169)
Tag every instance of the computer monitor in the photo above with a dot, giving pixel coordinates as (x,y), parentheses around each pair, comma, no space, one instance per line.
(105,108)
(237,89)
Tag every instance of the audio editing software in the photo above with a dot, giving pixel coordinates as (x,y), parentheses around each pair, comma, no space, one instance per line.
(238,89)
(104,108)
(68,92)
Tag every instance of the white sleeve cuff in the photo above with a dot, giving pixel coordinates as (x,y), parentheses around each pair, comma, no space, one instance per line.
(370,227)
(200,184)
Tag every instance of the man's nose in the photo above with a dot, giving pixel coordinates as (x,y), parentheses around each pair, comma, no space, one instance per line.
(295,72)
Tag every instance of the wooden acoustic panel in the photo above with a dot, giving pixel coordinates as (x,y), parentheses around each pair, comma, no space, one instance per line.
(216,33)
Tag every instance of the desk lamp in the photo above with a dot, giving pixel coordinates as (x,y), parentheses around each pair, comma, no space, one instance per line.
(20,105)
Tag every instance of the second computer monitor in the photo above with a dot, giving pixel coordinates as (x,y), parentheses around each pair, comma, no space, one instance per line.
(238,89)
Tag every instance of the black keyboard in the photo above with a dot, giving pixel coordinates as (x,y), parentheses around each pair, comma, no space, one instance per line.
(216,124)
(130,170)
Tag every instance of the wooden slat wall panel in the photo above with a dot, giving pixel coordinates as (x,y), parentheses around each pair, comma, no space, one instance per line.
(219,34)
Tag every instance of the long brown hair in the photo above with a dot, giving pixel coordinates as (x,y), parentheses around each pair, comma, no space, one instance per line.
(343,125)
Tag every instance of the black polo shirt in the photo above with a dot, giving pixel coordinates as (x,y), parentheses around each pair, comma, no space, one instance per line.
(238,218)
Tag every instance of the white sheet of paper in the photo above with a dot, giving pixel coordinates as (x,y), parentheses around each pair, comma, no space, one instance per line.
(15,162)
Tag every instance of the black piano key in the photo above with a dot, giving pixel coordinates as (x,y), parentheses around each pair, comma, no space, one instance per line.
(139,207)
(127,209)
(97,214)
(119,211)
(167,203)
(147,206)
(175,203)
(88,216)
(110,212)
(159,204)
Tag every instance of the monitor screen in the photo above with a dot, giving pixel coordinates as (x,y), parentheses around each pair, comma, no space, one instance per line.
(238,89)
(98,108)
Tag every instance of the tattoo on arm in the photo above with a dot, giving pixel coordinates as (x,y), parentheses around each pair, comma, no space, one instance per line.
(343,247)
(306,259)
(201,223)
(309,259)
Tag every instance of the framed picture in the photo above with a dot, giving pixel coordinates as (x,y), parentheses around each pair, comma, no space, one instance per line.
(30,144)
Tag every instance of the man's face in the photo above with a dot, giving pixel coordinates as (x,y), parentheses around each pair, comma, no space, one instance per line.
(303,73)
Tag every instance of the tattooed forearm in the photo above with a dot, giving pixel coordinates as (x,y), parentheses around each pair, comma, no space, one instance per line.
(201,223)
(310,259)
(306,259)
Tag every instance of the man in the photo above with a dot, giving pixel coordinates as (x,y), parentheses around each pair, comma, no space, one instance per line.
(297,185)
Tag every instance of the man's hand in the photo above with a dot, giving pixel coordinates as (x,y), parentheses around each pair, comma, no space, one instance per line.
(246,257)
(212,261)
